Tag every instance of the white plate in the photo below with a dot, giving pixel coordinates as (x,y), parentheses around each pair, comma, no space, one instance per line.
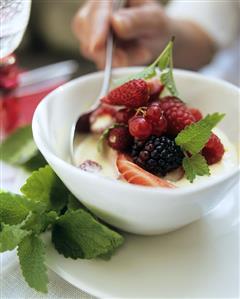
(198,261)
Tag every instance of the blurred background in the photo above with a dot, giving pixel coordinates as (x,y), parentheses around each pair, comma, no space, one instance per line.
(49,37)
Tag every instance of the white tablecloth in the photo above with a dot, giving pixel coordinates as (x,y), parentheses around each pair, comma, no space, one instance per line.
(12,283)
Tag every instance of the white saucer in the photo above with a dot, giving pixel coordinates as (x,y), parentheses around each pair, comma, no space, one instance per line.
(198,261)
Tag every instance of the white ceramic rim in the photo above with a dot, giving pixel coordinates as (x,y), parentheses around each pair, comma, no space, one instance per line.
(104,180)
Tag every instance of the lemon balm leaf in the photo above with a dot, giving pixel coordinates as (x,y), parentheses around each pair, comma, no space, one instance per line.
(168,80)
(34,162)
(195,165)
(39,222)
(146,73)
(77,234)
(31,253)
(164,63)
(11,236)
(14,208)
(18,147)
(45,186)
(194,137)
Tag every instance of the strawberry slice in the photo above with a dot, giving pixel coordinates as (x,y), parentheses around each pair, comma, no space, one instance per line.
(134,174)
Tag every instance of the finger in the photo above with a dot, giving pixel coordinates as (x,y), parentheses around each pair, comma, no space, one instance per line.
(137,21)
(100,25)
(131,3)
(131,55)
(80,23)
(91,24)
(97,57)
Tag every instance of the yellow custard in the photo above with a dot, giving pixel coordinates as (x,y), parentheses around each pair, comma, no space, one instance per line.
(86,149)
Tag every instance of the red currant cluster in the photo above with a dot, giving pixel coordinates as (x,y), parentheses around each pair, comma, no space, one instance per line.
(151,122)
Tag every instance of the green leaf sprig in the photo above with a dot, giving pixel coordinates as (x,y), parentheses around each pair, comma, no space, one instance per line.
(192,140)
(19,149)
(165,64)
(45,203)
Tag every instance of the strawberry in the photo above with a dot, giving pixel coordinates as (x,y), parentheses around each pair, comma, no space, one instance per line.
(132,94)
(155,89)
(134,174)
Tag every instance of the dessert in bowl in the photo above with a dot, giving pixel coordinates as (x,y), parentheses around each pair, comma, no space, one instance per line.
(163,204)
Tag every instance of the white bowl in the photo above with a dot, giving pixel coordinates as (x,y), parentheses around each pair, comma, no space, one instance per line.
(135,209)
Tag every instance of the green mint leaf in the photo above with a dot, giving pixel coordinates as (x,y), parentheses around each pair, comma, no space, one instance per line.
(44,186)
(165,64)
(77,234)
(13,208)
(195,136)
(100,143)
(31,254)
(73,203)
(18,147)
(146,73)
(168,80)
(11,236)
(164,60)
(34,163)
(39,223)
(195,165)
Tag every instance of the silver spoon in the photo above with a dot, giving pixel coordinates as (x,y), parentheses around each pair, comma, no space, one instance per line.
(117,4)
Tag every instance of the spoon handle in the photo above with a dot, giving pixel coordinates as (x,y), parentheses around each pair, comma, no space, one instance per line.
(117,4)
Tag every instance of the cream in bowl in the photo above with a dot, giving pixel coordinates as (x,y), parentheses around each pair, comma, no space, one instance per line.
(133,208)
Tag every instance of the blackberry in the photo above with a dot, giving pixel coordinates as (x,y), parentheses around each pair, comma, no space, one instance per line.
(158,155)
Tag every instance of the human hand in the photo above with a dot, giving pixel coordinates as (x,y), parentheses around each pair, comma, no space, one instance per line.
(141,31)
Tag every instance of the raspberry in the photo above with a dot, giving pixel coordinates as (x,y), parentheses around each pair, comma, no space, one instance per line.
(119,139)
(158,155)
(196,113)
(177,114)
(139,127)
(132,94)
(213,150)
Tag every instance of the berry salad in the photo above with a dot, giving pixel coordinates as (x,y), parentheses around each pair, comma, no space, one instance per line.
(145,133)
